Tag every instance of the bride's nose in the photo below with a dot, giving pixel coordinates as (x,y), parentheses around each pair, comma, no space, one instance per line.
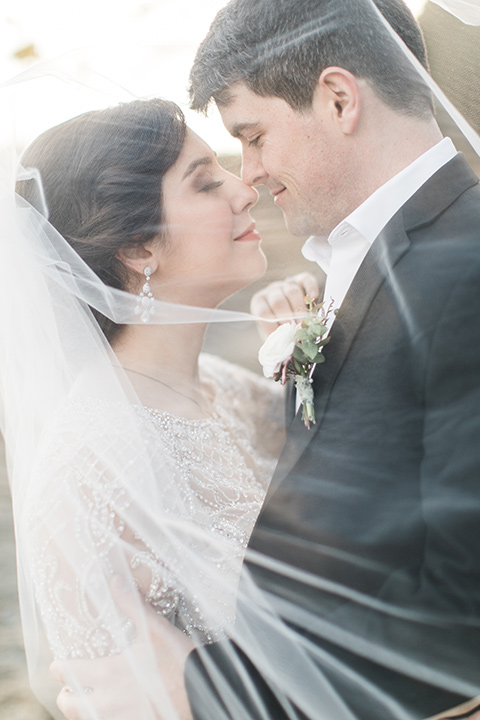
(244,196)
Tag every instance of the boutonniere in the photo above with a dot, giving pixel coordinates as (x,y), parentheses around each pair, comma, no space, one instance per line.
(294,350)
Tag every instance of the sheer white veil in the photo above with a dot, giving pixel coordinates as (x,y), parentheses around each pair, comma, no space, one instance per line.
(81,466)
(464,10)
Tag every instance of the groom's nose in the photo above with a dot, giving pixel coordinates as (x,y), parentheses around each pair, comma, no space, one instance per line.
(253,172)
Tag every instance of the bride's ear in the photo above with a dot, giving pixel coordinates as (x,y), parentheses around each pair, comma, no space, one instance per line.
(137,258)
(338,95)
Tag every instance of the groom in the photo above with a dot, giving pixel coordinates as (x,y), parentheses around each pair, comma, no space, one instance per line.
(381,497)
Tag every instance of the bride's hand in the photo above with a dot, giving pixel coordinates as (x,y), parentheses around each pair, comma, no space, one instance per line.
(145,682)
(283,301)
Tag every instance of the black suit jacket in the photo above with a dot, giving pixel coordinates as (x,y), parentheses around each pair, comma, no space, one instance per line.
(381,498)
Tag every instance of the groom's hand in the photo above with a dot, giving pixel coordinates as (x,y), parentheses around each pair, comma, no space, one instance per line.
(283,301)
(145,682)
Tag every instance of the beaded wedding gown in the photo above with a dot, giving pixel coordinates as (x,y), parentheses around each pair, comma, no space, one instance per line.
(216,473)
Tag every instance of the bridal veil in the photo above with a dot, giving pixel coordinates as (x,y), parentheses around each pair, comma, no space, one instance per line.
(87,483)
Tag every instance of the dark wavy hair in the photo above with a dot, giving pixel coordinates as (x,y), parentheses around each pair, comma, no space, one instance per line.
(280,48)
(101,175)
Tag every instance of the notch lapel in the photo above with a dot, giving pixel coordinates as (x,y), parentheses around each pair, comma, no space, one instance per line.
(377,266)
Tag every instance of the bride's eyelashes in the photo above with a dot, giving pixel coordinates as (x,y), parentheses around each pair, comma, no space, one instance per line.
(209,186)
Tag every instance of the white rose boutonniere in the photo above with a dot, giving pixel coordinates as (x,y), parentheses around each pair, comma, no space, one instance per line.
(294,350)
(277,348)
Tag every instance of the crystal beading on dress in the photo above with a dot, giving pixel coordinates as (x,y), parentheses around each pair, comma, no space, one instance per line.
(222,473)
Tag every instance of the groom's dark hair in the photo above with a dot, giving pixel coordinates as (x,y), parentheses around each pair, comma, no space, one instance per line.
(280,47)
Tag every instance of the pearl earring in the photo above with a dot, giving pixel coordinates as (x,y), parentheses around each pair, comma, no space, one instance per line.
(145,299)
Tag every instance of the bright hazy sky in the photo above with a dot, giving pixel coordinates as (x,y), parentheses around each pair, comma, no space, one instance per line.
(147,46)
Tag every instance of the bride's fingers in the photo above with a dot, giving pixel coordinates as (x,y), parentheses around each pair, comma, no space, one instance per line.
(120,692)
(65,706)
(70,702)
(261,309)
(72,705)
(272,301)
(77,706)
(283,297)
(295,296)
(76,674)
(56,672)
(138,682)
(282,301)
(308,282)
(278,301)
(170,646)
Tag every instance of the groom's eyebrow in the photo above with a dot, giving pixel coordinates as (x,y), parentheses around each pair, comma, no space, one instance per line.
(207,160)
(238,130)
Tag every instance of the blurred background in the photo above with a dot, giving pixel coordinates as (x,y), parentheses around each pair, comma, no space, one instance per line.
(144,48)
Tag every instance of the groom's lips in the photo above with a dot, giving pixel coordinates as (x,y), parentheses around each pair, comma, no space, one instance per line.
(249,234)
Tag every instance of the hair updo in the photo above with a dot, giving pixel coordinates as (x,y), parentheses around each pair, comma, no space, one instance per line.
(101,175)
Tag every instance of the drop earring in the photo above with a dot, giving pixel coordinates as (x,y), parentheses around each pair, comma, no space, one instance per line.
(145,299)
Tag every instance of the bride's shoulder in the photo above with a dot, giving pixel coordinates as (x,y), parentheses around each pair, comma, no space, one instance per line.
(85,424)
(254,402)
(93,413)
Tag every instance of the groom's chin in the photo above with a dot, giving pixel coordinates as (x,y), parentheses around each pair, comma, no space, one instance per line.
(299,225)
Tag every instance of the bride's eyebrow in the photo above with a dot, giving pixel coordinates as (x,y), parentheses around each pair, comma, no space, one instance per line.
(207,160)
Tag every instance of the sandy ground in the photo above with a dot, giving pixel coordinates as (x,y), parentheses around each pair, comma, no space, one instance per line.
(16,700)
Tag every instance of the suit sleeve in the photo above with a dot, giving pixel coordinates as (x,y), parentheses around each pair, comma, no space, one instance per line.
(442,602)
(222,683)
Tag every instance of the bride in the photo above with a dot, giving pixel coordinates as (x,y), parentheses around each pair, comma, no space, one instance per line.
(151,459)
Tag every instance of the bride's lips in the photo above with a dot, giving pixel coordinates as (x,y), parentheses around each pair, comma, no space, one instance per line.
(249,234)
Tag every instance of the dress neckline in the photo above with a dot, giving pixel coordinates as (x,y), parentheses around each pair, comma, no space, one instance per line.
(162,414)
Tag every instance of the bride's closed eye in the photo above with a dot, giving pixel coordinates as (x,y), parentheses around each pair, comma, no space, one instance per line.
(209,186)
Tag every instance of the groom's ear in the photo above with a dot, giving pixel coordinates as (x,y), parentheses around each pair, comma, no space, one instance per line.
(338,95)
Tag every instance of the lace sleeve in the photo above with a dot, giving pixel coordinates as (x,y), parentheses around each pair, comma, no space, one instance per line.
(79,538)
(72,527)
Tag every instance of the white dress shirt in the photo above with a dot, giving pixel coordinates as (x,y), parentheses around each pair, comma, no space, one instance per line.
(341,254)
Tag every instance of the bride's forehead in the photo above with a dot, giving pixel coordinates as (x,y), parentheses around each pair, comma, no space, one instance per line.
(195,152)
(194,145)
